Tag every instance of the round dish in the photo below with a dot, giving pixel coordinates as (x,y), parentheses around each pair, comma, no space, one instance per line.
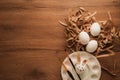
(92,71)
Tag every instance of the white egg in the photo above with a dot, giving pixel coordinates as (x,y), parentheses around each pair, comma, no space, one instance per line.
(80,68)
(84,37)
(95,29)
(92,46)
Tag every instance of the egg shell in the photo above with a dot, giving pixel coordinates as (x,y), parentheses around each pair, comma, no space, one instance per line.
(95,29)
(92,46)
(80,68)
(84,37)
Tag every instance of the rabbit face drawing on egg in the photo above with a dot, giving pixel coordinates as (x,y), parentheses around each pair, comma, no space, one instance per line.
(80,67)
(81,64)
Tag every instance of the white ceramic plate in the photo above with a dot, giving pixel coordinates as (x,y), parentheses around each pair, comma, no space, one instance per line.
(92,71)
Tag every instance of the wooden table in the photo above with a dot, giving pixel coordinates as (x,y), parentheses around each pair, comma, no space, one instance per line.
(32,41)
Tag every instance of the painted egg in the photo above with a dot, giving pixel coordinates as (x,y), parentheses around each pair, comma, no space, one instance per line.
(80,68)
(95,29)
(92,46)
(84,37)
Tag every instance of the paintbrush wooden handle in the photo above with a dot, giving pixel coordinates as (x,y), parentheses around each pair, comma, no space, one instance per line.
(74,67)
(68,72)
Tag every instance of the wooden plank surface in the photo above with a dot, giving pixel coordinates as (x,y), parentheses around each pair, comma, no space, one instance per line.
(32,41)
(30,65)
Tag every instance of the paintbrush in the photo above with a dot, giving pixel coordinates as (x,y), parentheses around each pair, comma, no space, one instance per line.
(73,66)
(68,72)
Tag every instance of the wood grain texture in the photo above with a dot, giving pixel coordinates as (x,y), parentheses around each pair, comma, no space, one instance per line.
(32,41)
(29,65)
